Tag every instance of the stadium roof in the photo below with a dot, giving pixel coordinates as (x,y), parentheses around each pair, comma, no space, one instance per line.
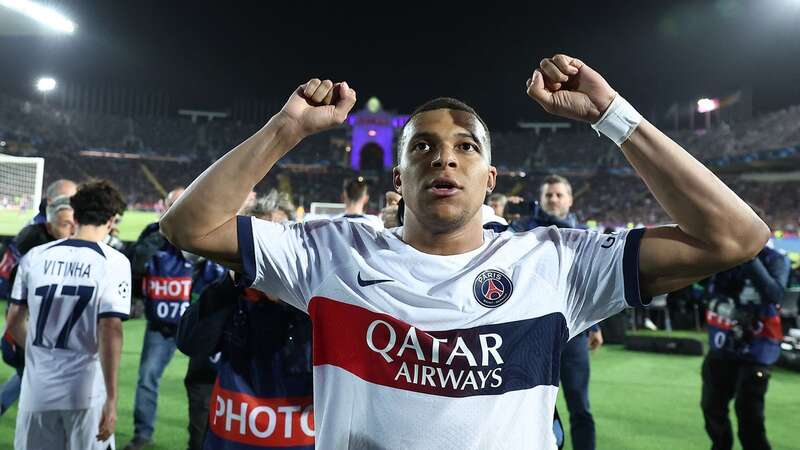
(656,53)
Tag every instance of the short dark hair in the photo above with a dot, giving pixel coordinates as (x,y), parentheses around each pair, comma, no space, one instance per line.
(444,103)
(96,202)
(355,189)
(447,103)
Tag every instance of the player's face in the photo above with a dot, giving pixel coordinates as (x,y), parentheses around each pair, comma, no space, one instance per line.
(556,199)
(64,224)
(443,175)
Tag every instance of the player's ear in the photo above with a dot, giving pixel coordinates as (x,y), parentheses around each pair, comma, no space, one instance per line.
(491,179)
(396,181)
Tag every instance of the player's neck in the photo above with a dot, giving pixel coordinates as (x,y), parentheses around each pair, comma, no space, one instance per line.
(92,233)
(354,209)
(452,242)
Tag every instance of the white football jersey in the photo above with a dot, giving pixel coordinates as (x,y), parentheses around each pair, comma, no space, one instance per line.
(413,350)
(68,285)
(367,219)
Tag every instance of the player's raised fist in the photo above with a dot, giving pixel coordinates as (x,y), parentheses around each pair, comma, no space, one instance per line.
(567,87)
(318,105)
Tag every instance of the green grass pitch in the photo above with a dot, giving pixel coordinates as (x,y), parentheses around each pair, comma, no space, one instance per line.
(11,221)
(640,401)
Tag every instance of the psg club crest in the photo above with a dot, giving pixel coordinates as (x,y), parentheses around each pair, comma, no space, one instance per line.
(492,288)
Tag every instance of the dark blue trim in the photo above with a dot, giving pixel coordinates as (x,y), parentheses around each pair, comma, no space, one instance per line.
(630,269)
(105,315)
(81,243)
(247,250)
(354,216)
(497,227)
(18,301)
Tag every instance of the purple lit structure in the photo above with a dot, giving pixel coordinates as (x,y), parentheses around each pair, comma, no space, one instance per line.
(374,127)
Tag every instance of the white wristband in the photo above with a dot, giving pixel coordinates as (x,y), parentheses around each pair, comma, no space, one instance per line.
(619,121)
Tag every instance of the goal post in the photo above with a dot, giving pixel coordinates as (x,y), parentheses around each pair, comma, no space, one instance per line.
(21,181)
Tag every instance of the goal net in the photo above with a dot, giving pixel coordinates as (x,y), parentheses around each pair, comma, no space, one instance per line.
(20,182)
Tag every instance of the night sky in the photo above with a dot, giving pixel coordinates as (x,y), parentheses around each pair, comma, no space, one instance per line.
(206,54)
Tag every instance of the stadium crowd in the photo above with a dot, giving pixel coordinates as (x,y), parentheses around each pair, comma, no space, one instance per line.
(32,129)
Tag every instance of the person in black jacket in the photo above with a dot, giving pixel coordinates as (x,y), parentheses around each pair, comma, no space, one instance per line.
(744,342)
(59,223)
(262,349)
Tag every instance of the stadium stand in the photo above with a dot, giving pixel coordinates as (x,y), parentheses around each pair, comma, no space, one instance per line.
(172,151)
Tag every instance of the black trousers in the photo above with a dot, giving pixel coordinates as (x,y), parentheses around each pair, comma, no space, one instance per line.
(725,379)
(199,397)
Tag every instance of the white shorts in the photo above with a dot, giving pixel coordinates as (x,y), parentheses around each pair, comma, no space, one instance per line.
(73,429)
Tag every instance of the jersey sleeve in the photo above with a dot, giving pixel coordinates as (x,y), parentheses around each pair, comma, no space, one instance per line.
(19,291)
(284,260)
(602,275)
(115,296)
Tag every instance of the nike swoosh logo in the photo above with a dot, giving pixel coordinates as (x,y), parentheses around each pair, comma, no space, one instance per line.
(364,283)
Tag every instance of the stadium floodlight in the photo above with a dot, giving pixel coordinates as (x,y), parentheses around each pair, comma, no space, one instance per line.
(45,84)
(45,15)
(705,105)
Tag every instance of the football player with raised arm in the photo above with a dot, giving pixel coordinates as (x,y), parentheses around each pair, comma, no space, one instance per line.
(440,325)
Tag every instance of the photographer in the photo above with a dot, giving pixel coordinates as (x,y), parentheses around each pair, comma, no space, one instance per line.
(261,348)
(744,339)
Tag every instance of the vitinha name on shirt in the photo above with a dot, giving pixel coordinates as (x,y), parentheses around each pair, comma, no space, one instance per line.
(67,268)
(459,362)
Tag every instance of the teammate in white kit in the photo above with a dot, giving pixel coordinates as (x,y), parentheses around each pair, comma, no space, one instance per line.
(76,292)
(356,197)
(441,334)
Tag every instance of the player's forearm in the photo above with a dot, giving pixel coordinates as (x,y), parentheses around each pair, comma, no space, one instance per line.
(110,340)
(20,335)
(214,198)
(699,202)
(16,323)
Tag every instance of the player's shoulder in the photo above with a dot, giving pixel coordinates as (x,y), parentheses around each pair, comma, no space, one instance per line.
(365,219)
(34,252)
(549,236)
(542,234)
(114,256)
(111,253)
(336,225)
(342,233)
